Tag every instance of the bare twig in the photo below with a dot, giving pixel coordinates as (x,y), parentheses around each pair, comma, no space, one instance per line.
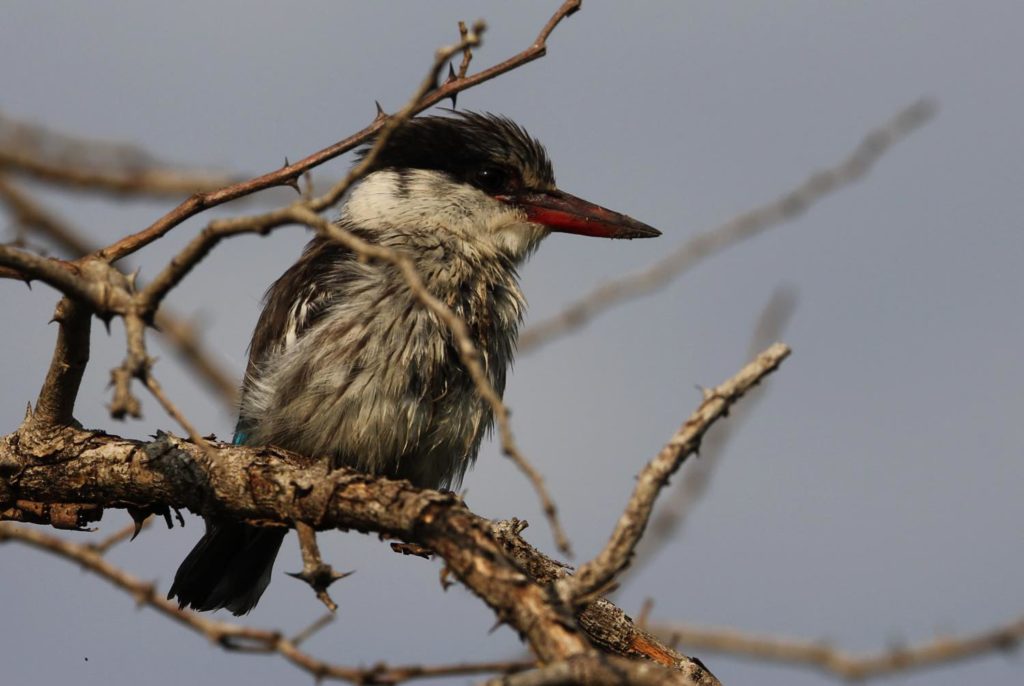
(745,226)
(290,173)
(95,166)
(825,658)
(56,402)
(123,534)
(186,343)
(467,52)
(234,636)
(29,213)
(315,572)
(180,334)
(671,516)
(170,408)
(597,575)
(315,626)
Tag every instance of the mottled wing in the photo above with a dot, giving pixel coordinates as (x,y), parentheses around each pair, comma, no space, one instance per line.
(293,305)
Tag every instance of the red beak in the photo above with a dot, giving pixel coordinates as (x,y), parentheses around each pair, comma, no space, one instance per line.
(566,213)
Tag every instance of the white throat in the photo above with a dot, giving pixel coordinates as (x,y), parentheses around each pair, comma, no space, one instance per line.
(415,201)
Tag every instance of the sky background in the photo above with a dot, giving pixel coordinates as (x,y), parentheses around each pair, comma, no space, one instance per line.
(873,496)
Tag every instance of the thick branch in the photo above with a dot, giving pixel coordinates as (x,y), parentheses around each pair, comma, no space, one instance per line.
(267,485)
(600,670)
(65,465)
(607,626)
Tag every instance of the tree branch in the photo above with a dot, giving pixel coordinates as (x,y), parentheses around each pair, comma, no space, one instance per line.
(835,662)
(91,165)
(234,636)
(601,670)
(263,485)
(66,465)
(289,174)
(671,515)
(596,576)
(56,401)
(29,213)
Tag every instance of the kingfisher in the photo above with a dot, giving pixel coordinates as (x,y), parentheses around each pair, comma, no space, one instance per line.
(346,363)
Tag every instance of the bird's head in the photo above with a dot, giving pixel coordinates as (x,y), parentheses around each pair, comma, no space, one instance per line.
(480,177)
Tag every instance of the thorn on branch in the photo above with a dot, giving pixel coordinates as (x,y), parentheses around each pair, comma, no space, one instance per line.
(452,77)
(380,112)
(291,181)
(445,578)
(125,533)
(315,572)
(139,518)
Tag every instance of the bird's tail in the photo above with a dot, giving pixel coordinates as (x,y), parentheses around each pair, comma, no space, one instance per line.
(229,567)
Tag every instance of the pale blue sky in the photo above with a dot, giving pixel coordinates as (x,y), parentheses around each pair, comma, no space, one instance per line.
(873,496)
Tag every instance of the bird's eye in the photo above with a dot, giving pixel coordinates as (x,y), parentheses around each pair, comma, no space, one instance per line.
(491,179)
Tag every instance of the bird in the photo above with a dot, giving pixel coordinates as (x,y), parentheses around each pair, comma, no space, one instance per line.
(346,364)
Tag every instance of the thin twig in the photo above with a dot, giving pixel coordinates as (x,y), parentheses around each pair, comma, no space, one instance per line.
(125,533)
(96,166)
(671,516)
(319,623)
(29,213)
(315,572)
(138,365)
(289,174)
(819,655)
(700,247)
(183,337)
(597,575)
(235,636)
(467,52)
(179,333)
(182,263)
